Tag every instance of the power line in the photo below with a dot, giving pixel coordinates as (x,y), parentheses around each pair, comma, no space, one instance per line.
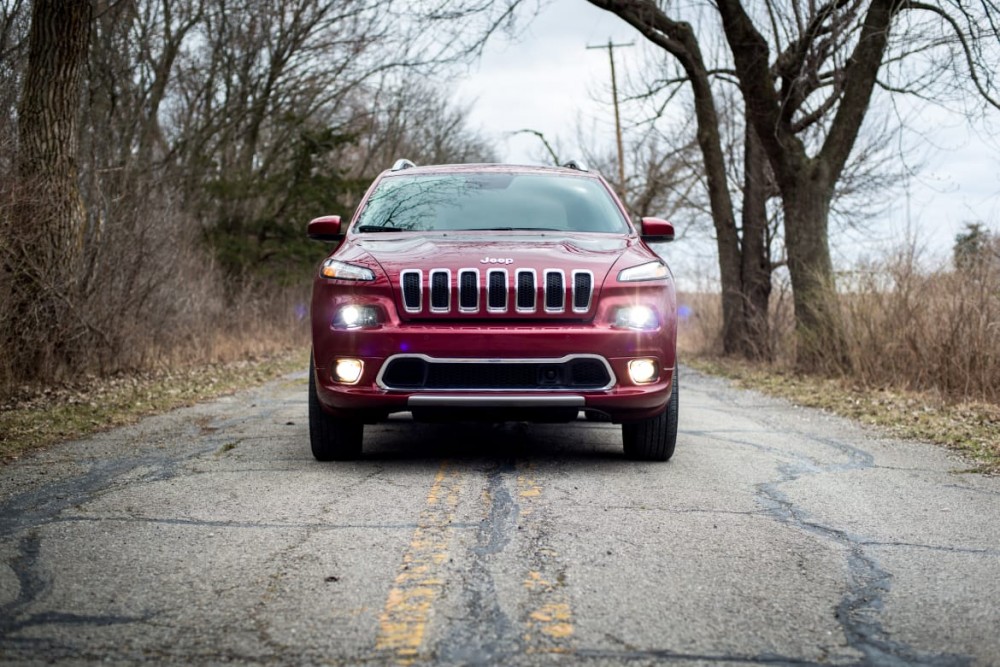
(614,96)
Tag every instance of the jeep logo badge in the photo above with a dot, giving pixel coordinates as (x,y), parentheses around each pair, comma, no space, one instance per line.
(496,260)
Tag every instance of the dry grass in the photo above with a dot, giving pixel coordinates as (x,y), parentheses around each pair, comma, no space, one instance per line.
(969,427)
(136,320)
(926,330)
(36,419)
(924,346)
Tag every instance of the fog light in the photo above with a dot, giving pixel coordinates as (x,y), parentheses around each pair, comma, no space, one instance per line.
(348,371)
(642,371)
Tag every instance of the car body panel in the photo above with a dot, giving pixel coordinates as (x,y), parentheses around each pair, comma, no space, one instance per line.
(449,331)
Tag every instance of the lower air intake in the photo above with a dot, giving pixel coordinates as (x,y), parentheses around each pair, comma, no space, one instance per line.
(413,373)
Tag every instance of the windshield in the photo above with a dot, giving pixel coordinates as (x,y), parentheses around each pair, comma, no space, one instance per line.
(490,201)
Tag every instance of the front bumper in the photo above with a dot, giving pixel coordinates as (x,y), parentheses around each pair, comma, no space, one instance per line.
(371,400)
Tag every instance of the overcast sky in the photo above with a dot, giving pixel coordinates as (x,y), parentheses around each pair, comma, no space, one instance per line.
(546,80)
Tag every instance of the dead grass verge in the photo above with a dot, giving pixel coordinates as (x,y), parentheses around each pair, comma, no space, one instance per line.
(971,428)
(31,421)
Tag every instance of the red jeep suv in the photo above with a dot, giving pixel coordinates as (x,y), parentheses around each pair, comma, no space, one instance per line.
(492,292)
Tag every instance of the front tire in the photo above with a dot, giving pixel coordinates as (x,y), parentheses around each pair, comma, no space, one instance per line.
(653,439)
(331,438)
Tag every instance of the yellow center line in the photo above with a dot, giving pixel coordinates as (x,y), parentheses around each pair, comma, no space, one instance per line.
(419,580)
(549,626)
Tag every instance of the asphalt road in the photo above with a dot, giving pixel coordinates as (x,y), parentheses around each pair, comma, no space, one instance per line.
(775,535)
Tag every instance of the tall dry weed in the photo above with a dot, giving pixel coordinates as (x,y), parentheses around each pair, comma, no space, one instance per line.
(924,329)
(908,326)
(699,330)
(145,294)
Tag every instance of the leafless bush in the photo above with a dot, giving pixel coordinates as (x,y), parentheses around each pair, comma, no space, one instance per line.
(699,331)
(925,329)
(909,327)
(146,295)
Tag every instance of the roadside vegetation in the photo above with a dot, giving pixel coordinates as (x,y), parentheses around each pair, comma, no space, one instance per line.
(159,161)
(924,347)
(39,417)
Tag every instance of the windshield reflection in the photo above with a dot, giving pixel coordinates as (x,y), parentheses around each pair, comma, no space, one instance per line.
(490,201)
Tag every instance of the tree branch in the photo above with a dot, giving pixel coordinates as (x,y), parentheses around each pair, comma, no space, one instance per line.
(966,50)
(861,72)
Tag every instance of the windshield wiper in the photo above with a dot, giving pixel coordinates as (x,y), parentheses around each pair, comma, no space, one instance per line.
(364,229)
(510,229)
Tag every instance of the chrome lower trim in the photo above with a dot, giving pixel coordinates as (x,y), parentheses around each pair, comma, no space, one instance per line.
(492,360)
(449,401)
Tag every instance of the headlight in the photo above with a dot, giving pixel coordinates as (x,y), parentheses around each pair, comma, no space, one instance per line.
(636,317)
(353,316)
(331,268)
(655,270)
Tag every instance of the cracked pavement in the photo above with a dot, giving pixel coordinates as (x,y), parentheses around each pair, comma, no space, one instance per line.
(776,535)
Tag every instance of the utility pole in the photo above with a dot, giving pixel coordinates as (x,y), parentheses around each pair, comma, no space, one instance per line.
(614,96)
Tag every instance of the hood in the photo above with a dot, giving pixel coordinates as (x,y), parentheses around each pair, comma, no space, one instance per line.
(536,251)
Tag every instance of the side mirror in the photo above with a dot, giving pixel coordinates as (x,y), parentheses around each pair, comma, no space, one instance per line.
(325,228)
(656,230)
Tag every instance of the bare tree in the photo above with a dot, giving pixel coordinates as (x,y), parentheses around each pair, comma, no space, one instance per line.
(806,73)
(680,40)
(42,232)
(14,22)
(47,122)
(207,132)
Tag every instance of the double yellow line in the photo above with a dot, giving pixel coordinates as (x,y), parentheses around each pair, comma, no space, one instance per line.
(550,623)
(420,579)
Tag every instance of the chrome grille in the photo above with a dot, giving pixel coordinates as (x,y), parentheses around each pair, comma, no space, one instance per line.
(468,290)
(503,290)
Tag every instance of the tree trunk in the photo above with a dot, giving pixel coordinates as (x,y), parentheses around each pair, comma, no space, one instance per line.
(820,338)
(48,128)
(755,256)
(807,183)
(679,39)
(46,229)
(734,326)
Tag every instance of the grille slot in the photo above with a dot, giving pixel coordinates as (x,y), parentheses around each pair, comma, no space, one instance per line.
(411,290)
(468,290)
(555,291)
(497,285)
(418,373)
(440,291)
(526,290)
(582,288)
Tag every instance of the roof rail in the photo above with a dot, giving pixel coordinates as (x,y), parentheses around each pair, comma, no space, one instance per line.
(576,164)
(401,164)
